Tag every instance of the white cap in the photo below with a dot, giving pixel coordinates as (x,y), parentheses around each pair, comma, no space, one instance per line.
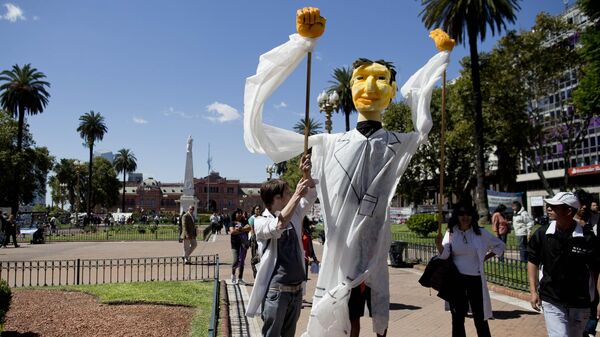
(564,198)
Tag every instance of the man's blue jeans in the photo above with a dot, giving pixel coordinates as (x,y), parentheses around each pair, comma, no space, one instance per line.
(565,322)
(280,313)
(522,242)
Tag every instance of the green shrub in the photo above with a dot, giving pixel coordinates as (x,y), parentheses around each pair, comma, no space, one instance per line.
(141,229)
(90,229)
(5,297)
(422,224)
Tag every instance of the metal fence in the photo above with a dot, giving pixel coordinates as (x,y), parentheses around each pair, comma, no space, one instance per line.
(506,271)
(510,246)
(99,271)
(117,233)
(214,316)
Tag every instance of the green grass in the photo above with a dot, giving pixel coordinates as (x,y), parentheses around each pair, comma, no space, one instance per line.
(194,294)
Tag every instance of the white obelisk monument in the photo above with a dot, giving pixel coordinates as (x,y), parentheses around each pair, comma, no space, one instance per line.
(187,198)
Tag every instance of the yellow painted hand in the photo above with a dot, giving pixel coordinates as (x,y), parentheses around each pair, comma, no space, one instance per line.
(443,42)
(309,22)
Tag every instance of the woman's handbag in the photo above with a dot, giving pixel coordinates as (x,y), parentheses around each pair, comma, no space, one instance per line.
(441,275)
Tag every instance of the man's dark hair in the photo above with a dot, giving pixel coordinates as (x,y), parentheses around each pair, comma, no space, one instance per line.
(518,204)
(366,62)
(270,189)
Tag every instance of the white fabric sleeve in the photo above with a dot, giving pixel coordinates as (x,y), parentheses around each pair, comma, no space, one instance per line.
(446,243)
(266,228)
(273,68)
(492,243)
(417,92)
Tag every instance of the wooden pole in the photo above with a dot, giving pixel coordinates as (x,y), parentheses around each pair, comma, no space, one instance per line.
(442,156)
(307,108)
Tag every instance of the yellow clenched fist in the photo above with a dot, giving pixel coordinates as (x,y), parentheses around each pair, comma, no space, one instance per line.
(443,42)
(309,22)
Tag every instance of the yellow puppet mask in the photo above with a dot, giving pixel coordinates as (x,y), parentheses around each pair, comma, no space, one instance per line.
(372,89)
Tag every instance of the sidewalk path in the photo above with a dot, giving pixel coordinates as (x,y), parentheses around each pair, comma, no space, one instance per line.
(413,310)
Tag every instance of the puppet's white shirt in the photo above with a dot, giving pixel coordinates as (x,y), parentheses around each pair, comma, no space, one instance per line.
(357,178)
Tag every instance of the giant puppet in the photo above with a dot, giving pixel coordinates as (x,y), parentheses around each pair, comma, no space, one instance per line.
(356,172)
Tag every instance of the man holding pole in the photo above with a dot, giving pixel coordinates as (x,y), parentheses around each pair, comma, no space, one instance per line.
(356,174)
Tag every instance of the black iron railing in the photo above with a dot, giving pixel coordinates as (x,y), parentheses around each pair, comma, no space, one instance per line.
(98,271)
(506,271)
(214,316)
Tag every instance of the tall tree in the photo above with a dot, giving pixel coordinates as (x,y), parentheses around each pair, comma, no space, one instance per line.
(66,173)
(30,165)
(125,162)
(91,128)
(341,84)
(542,60)
(22,90)
(314,126)
(471,18)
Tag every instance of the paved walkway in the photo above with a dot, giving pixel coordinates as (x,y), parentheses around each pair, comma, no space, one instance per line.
(413,310)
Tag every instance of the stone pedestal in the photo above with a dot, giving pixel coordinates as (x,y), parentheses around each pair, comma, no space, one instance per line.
(186,201)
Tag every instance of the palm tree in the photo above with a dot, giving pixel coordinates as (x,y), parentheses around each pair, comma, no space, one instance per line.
(314,126)
(125,162)
(472,18)
(91,128)
(23,91)
(341,83)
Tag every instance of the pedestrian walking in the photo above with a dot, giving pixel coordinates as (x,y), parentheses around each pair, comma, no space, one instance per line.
(10,230)
(254,257)
(239,246)
(469,246)
(189,234)
(522,224)
(569,259)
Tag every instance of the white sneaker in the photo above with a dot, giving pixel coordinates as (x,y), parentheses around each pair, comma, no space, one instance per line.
(242,282)
(233,279)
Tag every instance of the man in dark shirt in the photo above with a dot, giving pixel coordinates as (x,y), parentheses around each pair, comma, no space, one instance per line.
(567,257)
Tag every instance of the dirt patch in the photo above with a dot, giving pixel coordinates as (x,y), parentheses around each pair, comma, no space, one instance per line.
(59,313)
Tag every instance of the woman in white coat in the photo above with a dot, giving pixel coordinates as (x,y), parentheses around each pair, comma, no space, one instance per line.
(469,246)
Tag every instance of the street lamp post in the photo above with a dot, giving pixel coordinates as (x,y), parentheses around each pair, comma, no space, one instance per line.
(270,170)
(328,103)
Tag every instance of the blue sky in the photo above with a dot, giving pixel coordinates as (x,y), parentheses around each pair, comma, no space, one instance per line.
(160,71)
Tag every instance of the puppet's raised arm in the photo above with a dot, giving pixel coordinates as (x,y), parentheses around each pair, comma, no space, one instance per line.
(273,68)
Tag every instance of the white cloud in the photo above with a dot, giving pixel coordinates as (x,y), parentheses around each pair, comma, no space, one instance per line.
(224,113)
(318,56)
(35,18)
(281,105)
(172,112)
(139,120)
(13,13)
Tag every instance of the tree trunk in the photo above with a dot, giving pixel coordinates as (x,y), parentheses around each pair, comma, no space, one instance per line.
(14,192)
(89,191)
(123,202)
(481,196)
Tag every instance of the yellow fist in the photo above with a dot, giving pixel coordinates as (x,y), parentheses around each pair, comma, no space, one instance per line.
(443,42)
(309,22)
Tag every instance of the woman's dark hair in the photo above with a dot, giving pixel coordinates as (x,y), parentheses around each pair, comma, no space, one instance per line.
(501,208)
(470,210)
